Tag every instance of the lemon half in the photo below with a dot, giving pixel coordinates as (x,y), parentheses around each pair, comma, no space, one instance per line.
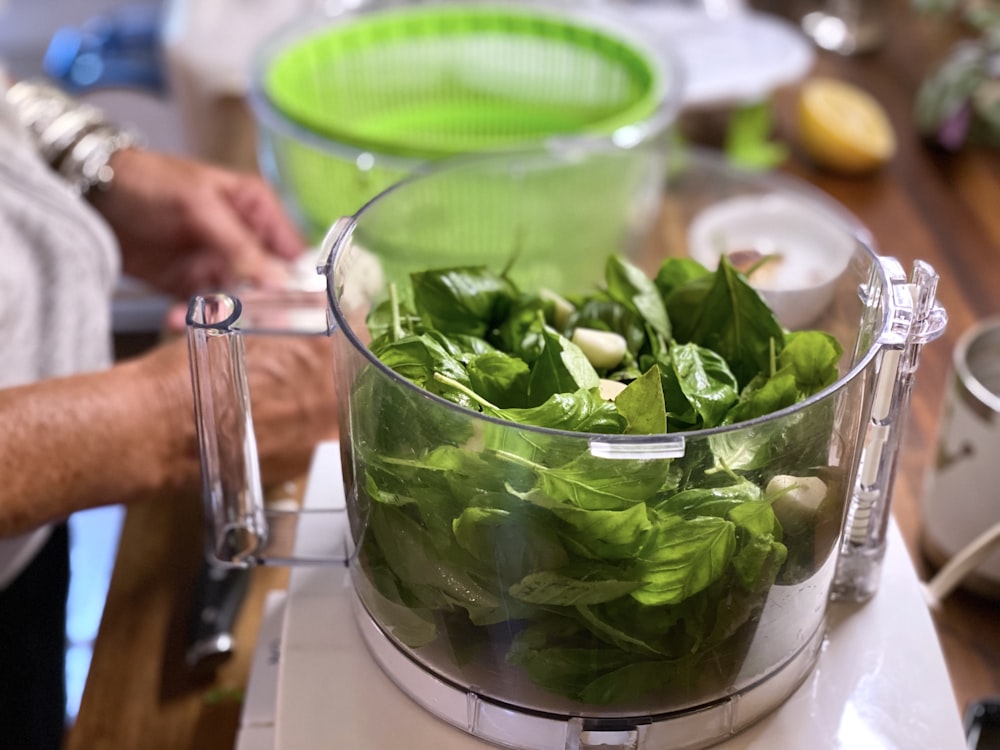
(843,128)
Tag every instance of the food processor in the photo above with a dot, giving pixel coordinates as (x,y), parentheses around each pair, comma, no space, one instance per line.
(569,589)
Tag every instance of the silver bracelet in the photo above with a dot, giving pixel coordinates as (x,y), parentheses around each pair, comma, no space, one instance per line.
(86,166)
(74,138)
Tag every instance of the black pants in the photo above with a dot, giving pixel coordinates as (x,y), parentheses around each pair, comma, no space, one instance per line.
(32,650)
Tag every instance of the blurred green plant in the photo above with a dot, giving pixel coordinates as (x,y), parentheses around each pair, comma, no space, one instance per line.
(981,14)
(959,101)
(749,142)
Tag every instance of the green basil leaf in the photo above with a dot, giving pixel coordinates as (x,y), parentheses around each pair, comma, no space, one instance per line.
(412,625)
(757,564)
(643,406)
(681,414)
(375,395)
(614,533)
(813,357)
(522,332)
(605,314)
(613,634)
(764,395)
(706,500)
(460,346)
(461,300)
(748,449)
(418,358)
(540,650)
(411,554)
(555,589)
(631,287)
(580,411)
(381,322)
(757,518)
(681,558)
(513,545)
(561,368)
(730,318)
(499,378)
(630,682)
(678,272)
(705,380)
(593,483)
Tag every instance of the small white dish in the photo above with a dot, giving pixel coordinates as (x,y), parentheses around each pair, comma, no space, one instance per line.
(811,249)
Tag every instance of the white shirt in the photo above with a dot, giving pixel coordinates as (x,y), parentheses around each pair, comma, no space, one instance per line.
(58,266)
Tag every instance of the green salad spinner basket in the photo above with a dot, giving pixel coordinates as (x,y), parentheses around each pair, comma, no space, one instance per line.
(348,105)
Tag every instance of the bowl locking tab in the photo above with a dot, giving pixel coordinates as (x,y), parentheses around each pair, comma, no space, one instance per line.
(915,317)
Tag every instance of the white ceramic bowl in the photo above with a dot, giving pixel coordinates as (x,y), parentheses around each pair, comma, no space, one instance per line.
(811,249)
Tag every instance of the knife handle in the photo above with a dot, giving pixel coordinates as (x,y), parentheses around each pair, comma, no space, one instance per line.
(219,594)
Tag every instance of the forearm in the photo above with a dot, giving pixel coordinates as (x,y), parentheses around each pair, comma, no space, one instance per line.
(72,443)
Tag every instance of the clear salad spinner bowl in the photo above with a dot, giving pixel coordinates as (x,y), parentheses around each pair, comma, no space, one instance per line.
(348,103)
(548,572)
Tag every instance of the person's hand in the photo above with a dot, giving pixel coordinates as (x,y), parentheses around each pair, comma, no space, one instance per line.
(186,227)
(293,402)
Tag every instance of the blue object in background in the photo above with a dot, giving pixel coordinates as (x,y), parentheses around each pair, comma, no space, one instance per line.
(119,49)
(94,536)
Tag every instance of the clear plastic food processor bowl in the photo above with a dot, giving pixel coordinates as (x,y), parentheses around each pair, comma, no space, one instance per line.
(547,589)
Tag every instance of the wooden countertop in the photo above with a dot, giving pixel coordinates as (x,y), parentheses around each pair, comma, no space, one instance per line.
(939,208)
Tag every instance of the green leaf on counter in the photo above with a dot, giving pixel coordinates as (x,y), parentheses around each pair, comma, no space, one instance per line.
(749,143)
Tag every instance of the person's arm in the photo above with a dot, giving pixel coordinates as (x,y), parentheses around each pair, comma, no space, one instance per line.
(76,442)
(128,433)
(184,226)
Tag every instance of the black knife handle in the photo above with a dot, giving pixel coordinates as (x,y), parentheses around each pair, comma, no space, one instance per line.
(219,594)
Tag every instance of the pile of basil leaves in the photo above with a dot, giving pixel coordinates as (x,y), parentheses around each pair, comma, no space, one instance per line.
(605,581)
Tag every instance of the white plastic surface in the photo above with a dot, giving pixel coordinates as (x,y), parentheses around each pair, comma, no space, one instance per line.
(260,701)
(880,683)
